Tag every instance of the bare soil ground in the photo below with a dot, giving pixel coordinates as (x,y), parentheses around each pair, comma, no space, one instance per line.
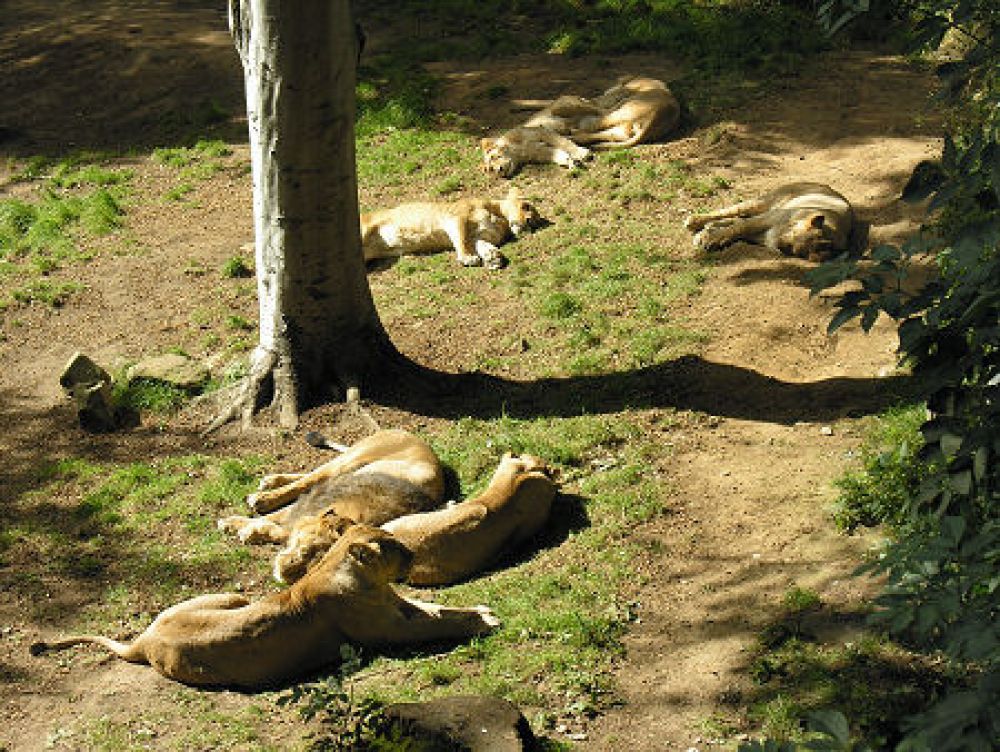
(749,468)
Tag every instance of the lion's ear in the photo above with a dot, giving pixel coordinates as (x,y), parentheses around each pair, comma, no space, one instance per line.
(486,143)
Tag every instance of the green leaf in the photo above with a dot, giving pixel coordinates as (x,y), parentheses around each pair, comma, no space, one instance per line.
(842,317)
(833,724)
(868,317)
(961,482)
(950,443)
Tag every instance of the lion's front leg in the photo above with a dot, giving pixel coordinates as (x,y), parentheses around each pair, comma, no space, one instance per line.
(253,529)
(412,621)
(565,152)
(717,235)
(490,254)
(461,238)
(276,480)
(743,209)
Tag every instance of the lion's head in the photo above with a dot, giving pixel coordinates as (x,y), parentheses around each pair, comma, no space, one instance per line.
(521,214)
(497,158)
(524,464)
(370,553)
(810,237)
(310,539)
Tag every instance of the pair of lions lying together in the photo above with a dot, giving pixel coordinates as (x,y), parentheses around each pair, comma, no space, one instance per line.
(633,111)
(807,220)
(342,566)
(393,479)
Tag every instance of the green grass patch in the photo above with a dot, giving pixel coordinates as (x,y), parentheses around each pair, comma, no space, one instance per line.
(103,543)
(237,267)
(54,227)
(889,477)
(391,157)
(561,606)
(872,680)
(186,156)
(141,395)
(44,291)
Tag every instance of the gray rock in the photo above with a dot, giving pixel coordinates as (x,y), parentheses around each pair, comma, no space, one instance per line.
(89,387)
(476,723)
(171,368)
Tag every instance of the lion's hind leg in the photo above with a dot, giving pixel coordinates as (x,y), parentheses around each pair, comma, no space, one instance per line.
(743,209)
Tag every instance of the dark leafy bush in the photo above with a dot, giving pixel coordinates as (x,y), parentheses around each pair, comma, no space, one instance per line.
(943,577)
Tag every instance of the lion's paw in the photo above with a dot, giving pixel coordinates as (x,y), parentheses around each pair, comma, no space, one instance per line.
(268,482)
(494,261)
(489,618)
(231,524)
(694,223)
(705,240)
(470,261)
(256,531)
(253,501)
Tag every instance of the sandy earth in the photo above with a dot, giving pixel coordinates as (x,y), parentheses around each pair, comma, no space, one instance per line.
(749,466)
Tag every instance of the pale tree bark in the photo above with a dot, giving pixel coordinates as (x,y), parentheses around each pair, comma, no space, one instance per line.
(320,335)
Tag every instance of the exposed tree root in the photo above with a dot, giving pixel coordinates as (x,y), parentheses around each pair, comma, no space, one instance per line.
(266,370)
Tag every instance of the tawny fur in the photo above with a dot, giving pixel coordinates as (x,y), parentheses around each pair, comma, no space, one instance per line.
(473,228)
(227,640)
(807,220)
(396,453)
(633,111)
(454,543)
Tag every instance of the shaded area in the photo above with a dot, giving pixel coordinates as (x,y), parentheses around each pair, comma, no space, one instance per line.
(114,76)
(871,680)
(687,383)
(60,556)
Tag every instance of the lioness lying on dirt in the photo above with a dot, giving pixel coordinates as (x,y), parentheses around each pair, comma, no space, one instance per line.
(226,640)
(808,220)
(633,111)
(449,544)
(474,228)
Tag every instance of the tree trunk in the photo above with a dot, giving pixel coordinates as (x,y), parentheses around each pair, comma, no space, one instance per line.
(319,331)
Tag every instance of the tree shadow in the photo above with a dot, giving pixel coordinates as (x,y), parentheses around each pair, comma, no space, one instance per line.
(874,682)
(686,383)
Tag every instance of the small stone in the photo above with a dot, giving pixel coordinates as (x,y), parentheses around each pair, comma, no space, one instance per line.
(826,430)
(89,387)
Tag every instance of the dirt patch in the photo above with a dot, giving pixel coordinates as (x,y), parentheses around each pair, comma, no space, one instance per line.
(749,465)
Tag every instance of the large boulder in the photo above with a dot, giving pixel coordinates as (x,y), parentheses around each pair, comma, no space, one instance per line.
(476,723)
(171,368)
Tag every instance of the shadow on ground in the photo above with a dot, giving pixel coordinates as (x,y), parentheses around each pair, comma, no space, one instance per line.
(687,383)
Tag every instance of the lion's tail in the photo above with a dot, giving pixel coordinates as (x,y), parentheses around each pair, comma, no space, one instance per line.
(318,440)
(125,651)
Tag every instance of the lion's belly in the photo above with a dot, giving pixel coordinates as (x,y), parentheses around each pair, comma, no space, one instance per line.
(414,239)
